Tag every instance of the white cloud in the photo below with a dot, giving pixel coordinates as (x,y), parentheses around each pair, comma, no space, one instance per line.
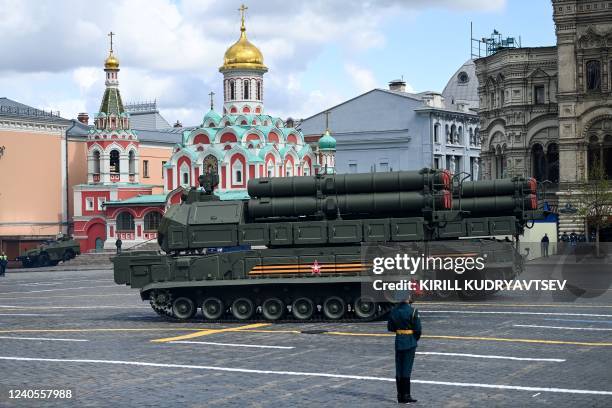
(170,50)
(363,78)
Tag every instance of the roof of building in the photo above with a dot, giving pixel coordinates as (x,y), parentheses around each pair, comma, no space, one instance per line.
(145,115)
(11,108)
(462,87)
(140,200)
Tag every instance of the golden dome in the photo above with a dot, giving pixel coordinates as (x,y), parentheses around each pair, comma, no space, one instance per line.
(243,55)
(111,62)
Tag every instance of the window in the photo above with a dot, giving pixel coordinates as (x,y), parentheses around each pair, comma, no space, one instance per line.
(125,222)
(270,168)
(436,163)
(437,133)
(245,89)
(162,168)
(593,75)
(151,221)
(289,170)
(384,166)
(101,201)
(237,172)
(185,175)
(185,178)
(89,203)
(306,170)
(114,161)
(258,90)
(352,167)
(145,168)
(232,93)
(538,94)
(463,77)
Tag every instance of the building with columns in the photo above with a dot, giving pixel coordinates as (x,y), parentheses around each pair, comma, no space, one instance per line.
(242,141)
(114,203)
(546,112)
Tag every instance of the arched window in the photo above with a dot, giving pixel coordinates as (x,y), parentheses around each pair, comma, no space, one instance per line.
(151,221)
(270,168)
(132,162)
(114,161)
(96,162)
(237,172)
(453,134)
(306,169)
(552,162)
(472,141)
(459,139)
(125,222)
(593,75)
(258,90)
(185,175)
(245,89)
(538,160)
(232,90)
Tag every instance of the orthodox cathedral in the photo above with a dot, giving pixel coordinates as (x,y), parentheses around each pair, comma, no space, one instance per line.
(241,143)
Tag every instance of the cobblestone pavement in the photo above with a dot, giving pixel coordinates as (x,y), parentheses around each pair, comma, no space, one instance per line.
(78,330)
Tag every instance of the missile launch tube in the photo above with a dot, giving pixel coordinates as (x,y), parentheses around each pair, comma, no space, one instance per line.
(405,203)
(350,183)
(483,188)
(496,205)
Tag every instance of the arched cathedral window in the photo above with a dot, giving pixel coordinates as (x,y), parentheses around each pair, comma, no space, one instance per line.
(132,162)
(96,162)
(114,161)
(593,75)
(232,90)
(258,90)
(245,89)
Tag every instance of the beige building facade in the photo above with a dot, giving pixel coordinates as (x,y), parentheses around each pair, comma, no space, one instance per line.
(546,112)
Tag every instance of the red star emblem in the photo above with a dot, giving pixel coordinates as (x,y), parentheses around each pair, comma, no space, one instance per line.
(316,269)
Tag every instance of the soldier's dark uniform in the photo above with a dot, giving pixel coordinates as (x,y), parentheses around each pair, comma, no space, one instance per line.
(404,321)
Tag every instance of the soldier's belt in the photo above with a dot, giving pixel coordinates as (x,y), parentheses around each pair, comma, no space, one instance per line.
(404,331)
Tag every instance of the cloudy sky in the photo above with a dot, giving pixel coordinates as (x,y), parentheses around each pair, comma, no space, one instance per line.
(319,52)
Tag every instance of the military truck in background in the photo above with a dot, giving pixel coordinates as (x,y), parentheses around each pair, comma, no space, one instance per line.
(50,253)
(305,237)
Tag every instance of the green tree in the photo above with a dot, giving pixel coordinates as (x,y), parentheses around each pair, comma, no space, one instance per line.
(595,201)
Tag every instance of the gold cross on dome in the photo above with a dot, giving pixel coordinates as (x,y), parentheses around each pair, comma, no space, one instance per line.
(111,40)
(242,11)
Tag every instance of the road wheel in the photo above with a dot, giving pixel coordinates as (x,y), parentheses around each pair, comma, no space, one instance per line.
(365,307)
(68,255)
(334,307)
(183,308)
(242,308)
(43,259)
(212,308)
(302,308)
(273,309)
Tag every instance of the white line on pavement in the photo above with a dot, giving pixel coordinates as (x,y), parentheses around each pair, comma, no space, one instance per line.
(514,313)
(307,374)
(55,283)
(554,360)
(232,344)
(39,338)
(30,314)
(55,290)
(564,328)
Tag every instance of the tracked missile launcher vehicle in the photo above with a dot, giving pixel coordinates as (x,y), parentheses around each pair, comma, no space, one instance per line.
(300,242)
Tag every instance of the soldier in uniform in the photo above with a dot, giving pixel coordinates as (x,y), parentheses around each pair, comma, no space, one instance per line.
(118,243)
(3,263)
(404,321)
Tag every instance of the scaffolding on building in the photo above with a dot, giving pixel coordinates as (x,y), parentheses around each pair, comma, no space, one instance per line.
(483,47)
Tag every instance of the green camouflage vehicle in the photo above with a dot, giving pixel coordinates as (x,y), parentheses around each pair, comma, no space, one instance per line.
(50,253)
(294,250)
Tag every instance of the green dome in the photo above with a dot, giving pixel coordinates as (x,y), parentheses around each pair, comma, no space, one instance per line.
(327,141)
